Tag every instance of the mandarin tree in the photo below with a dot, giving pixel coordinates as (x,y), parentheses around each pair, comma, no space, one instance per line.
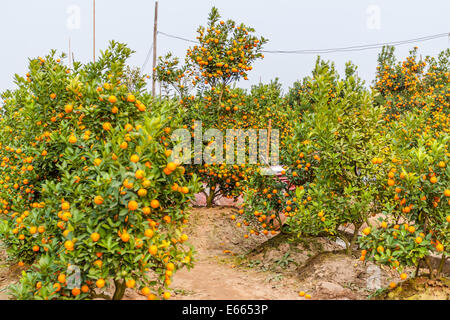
(224,55)
(333,165)
(106,212)
(415,225)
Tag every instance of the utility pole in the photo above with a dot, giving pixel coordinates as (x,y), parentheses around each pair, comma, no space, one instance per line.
(94,31)
(155,33)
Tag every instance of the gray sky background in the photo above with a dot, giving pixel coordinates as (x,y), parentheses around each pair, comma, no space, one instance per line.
(30,28)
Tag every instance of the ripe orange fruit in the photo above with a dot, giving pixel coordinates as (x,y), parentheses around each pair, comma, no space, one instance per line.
(148,233)
(153,250)
(68,245)
(95,236)
(132,205)
(366,231)
(391,182)
(75,292)
(68,108)
(130,283)
(183,237)
(84,288)
(184,190)
(166,295)
(134,158)
(52,96)
(100,283)
(98,200)
(154,204)
(128,127)
(106,126)
(392,285)
(170,266)
(433,179)
(142,192)
(146,183)
(97,162)
(72,139)
(447,192)
(403,276)
(112,99)
(65,206)
(171,166)
(145,291)
(139,174)
(440,247)
(125,237)
(301,293)
(131,98)
(141,107)
(62,278)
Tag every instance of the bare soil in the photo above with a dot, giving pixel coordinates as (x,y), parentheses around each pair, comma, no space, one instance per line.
(9,274)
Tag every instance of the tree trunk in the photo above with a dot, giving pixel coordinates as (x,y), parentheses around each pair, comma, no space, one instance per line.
(417,268)
(354,237)
(210,198)
(430,267)
(441,265)
(120,290)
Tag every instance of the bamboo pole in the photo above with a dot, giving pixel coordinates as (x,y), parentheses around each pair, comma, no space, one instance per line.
(155,33)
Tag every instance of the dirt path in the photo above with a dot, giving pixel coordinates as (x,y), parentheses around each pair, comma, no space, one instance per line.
(215,275)
(212,280)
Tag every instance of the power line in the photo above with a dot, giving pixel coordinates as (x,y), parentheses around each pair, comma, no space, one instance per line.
(177,37)
(147,58)
(338,49)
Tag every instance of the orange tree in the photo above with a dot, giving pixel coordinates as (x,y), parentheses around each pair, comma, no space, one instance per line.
(224,55)
(107,205)
(417,221)
(333,164)
(414,84)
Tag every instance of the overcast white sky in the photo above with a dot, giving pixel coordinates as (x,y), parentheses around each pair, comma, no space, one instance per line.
(30,28)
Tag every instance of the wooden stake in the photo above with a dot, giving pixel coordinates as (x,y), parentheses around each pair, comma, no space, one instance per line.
(155,32)
(269,132)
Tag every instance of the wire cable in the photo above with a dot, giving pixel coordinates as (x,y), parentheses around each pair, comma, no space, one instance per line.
(147,58)
(338,49)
